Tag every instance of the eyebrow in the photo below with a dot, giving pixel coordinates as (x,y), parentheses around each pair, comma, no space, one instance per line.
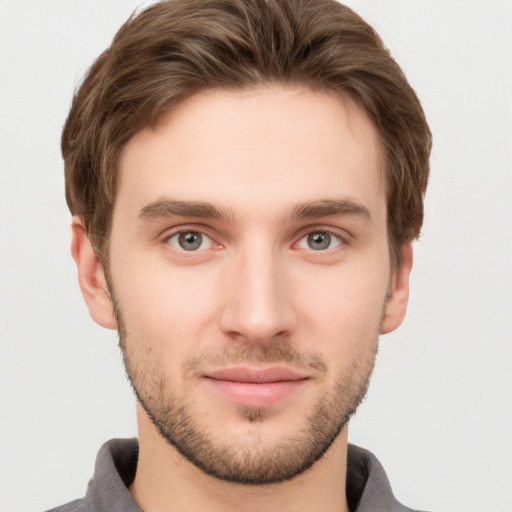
(166,208)
(329,208)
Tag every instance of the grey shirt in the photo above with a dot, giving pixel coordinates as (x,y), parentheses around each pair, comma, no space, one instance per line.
(367,485)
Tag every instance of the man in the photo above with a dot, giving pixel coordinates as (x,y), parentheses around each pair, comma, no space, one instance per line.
(246,179)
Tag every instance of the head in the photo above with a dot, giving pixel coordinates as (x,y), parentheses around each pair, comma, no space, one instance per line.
(247,178)
(176,49)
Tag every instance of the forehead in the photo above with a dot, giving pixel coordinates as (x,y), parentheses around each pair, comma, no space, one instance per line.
(260,148)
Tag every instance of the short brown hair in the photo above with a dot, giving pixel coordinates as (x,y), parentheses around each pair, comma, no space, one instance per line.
(176,48)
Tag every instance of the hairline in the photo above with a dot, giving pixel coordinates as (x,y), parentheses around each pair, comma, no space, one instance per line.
(345,99)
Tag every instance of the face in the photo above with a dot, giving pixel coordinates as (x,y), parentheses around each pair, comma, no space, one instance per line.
(250,272)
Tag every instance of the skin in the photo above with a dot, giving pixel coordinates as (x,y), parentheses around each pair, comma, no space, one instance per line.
(257,156)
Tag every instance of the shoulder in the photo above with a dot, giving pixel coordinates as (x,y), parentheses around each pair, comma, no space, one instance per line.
(368,488)
(107,491)
(80,505)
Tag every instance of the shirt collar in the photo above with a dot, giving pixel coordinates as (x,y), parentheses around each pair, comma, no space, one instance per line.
(367,485)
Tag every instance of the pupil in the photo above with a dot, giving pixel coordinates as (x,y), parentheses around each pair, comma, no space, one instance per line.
(190,241)
(319,241)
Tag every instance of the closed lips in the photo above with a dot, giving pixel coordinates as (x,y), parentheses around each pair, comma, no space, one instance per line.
(256,375)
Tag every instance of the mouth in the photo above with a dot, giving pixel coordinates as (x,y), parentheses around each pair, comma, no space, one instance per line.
(256,387)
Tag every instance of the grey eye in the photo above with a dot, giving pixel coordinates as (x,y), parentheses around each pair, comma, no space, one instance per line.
(190,241)
(320,241)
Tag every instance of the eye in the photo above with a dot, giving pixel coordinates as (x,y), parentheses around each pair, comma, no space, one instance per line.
(190,241)
(320,241)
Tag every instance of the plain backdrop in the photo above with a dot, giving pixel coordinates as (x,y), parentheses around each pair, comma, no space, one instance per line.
(439,410)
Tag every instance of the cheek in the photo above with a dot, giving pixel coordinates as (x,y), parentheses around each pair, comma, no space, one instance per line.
(344,308)
(165,307)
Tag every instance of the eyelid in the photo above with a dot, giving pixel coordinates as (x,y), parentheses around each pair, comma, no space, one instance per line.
(343,235)
(333,234)
(181,228)
(168,234)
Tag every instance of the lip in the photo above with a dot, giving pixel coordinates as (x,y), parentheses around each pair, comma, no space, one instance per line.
(256,387)
(256,375)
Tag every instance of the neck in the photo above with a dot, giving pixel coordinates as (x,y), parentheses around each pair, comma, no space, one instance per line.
(166,481)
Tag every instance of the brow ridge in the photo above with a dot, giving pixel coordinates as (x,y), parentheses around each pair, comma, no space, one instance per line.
(329,208)
(165,208)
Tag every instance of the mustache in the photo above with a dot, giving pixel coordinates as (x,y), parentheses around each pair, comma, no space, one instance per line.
(274,351)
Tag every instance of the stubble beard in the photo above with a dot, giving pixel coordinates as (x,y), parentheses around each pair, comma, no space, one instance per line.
(250,462)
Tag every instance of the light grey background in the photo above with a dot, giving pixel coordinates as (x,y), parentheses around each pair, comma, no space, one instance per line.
(439,411)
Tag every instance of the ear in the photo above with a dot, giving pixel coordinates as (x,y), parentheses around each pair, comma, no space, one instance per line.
(91,277)
(396,306)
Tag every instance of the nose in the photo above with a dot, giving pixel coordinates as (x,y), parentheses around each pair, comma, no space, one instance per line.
(258,296)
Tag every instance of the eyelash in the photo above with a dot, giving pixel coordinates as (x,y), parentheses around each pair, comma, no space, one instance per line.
(336,235)
(182,231)
(331,234)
